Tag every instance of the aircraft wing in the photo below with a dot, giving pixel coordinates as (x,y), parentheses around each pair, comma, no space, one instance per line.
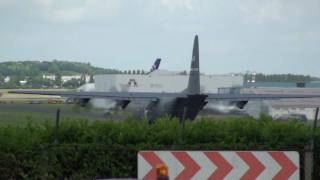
(156,96)
(248,97)
(105,95)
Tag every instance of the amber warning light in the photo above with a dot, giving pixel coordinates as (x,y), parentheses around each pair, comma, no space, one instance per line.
(162,172)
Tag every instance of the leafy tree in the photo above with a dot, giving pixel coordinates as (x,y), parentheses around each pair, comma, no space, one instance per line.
(54,69)
(281,78)
(2,79)
(73,83)
(91,79)
(83,79)
(58,80)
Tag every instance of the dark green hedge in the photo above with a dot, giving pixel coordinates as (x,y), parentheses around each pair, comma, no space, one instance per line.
(105,149)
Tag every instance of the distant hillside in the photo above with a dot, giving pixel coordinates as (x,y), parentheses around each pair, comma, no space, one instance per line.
(29,74)
(38,68)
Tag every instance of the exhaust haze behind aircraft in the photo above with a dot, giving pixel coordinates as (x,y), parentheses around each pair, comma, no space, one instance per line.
(185,104)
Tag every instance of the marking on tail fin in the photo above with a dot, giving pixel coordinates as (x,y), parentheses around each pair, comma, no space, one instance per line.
(193,59)
(155,65)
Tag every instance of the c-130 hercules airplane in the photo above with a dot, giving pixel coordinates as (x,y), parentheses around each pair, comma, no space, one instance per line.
(186,104)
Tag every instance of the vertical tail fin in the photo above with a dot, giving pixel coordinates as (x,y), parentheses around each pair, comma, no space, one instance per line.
(194,77)
(155,65)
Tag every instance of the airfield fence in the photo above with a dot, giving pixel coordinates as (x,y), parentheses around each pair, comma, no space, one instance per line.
(108,149)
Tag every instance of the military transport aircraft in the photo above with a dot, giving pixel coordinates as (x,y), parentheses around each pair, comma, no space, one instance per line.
(185,104)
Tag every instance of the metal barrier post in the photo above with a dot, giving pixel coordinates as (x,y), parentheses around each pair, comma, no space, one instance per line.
(57,125)
(309,151)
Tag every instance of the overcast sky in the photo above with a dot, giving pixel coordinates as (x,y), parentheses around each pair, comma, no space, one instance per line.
(269,36)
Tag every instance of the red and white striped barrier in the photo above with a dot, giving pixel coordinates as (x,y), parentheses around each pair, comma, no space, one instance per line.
(277,165)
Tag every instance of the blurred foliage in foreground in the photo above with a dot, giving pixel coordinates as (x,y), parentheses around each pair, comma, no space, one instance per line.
(106,149)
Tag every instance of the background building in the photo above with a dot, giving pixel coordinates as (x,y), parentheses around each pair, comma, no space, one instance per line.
(283,107)
(162,82)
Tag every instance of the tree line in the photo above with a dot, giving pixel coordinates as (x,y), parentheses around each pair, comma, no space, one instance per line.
(294,78)
(36,68)
(33,71)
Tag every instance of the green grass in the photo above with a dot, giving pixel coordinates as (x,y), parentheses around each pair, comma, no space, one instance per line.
(21,118)
(83,149)
(14,117)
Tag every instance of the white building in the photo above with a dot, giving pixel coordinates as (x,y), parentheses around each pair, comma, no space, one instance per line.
(49,77)
(7,79)
(160,81)
(23,82)
(75,77)
(87,78)
(281,107)
(87,87)
(68,78)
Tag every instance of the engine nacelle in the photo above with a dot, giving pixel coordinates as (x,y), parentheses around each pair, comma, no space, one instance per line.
(240,104)
(80,101)
(122,103)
